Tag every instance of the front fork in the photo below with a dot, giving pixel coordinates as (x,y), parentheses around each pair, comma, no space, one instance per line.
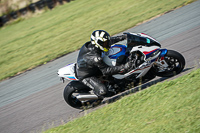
(160,62)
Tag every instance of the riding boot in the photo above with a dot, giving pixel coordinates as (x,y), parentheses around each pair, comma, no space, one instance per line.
(96,85)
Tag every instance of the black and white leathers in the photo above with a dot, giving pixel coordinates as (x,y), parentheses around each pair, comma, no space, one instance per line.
(90,64)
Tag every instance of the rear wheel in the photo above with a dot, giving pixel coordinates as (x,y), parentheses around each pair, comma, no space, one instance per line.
(176,64)
(70,93)
(70,98)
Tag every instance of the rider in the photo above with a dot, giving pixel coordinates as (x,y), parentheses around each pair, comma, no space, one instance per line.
(90,62)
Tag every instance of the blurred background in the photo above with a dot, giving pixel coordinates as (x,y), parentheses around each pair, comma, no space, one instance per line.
(12,9)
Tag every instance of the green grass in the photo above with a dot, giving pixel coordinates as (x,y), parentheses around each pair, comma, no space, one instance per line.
(37,40)
(168,107)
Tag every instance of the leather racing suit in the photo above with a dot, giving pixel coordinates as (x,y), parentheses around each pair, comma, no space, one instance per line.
(90,64)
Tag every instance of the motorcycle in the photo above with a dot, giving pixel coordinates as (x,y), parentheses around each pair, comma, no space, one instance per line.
(150,61)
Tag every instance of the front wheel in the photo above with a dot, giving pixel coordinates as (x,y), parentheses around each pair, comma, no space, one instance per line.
(176,64)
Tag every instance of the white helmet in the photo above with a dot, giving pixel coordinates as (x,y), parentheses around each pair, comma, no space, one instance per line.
(101,40)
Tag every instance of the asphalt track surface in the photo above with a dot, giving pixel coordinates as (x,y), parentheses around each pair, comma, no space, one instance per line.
(33,101)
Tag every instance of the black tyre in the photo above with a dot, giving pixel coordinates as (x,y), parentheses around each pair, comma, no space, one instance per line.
(72,90)
(70,98)
(176,64)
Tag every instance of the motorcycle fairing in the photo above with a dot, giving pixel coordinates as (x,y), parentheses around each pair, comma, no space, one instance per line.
(111,56)
(140,71)
(145,35)
(145,50)
(68,72)
(163,52)
(116,51)
(71,78)
(150,55)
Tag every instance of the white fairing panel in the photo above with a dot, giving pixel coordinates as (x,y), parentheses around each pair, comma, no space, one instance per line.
(140,70)
(145,50)
(67,72)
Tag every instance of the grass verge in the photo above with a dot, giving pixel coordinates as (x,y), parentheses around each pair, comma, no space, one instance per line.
(66,28)
(168,107)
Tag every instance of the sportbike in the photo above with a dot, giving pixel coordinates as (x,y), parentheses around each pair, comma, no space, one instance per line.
(149,59)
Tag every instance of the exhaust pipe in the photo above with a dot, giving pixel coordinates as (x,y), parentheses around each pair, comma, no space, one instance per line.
(84,97)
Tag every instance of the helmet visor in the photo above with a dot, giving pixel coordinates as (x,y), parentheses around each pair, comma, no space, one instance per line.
(106,44)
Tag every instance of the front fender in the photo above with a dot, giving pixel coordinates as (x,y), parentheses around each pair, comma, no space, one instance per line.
(163,52)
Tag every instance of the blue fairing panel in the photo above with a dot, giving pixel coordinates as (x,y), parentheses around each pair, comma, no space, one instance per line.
(163,52)
(122,51)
